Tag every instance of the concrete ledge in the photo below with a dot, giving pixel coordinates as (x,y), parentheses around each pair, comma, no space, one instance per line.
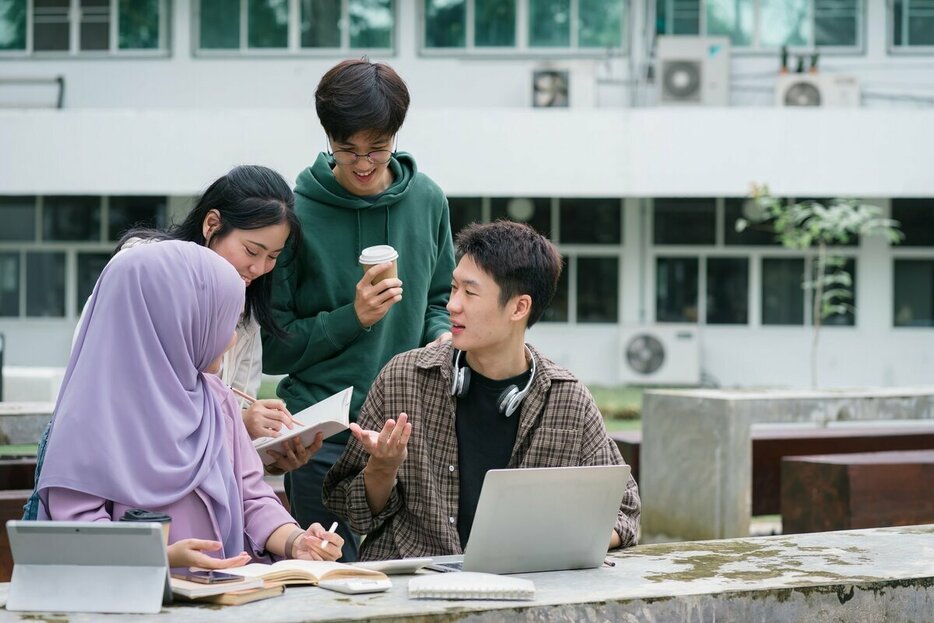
(23,422)
(884,574)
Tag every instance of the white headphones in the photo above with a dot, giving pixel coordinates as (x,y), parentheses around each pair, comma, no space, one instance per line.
(508,402)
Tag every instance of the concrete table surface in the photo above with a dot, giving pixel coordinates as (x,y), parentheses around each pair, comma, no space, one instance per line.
(881,574)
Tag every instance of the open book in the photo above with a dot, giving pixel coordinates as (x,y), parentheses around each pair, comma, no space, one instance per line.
(289,572)
(330,416)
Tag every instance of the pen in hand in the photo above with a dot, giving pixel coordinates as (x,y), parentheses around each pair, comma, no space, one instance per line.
(324,543)
(250,400)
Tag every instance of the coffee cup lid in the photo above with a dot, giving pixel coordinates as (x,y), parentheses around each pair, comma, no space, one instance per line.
(378,255)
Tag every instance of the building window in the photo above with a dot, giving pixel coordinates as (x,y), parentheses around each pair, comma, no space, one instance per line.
(916,218)
(19,218)
(727,290)
(782,294)
(914,293)
(71,218)
(295,26)
(591,221)
(131,212)
(9,283)
(464,211)
(84,26)
(676,284)
(588,233)
(90,266)
(756,234)
(766,24)
(52,249)
(597,289)
(45,285)
(912,23)
(558,310)
(685,221)
(536,212)
(517,26)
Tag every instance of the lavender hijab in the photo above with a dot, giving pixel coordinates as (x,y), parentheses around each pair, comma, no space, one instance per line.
(136,422)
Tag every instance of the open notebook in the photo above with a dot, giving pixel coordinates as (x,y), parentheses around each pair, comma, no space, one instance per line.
(329,417)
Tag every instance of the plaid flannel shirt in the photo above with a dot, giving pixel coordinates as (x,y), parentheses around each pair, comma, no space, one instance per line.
(559,426)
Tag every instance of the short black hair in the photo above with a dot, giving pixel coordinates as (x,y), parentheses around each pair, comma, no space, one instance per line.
(520,260)
(360,96)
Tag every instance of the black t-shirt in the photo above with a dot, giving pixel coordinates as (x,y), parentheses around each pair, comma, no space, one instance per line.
(485,438)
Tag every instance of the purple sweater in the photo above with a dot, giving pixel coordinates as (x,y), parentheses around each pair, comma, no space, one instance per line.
(191,515)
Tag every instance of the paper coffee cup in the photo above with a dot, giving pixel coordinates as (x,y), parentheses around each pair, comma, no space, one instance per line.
(138,514)
(380,254)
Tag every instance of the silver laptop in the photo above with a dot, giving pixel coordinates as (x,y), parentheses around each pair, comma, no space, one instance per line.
(80,566)
(542,519)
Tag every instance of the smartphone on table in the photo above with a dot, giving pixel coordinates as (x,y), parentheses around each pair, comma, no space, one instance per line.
(205,576)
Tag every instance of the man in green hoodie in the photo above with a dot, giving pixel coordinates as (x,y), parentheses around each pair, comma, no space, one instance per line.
(341,327)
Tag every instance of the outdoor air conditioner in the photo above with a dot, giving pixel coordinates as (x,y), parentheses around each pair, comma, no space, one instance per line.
(693,71)
(551,88)
(659,354)
(827,90)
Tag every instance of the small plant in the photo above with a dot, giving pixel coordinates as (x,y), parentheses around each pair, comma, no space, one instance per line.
(817,228)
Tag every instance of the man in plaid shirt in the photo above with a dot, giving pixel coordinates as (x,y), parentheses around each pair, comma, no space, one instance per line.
(438,418)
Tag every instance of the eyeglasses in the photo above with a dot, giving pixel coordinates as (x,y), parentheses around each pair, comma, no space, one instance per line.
(343,156)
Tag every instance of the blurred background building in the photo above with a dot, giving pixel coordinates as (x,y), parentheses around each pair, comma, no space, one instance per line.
(629,131)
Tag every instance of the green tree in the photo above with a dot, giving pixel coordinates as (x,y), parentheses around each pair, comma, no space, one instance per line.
(818,229)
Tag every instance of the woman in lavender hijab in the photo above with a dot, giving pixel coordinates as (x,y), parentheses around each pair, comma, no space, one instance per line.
(142,422)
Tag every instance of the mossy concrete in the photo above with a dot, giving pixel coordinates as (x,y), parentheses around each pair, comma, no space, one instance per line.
(863,576)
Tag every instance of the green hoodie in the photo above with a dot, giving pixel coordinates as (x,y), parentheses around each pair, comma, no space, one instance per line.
(313,291)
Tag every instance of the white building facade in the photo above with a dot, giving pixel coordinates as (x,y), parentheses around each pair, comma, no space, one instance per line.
(117,111)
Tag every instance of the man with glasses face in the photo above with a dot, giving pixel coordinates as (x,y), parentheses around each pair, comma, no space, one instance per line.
(343,328)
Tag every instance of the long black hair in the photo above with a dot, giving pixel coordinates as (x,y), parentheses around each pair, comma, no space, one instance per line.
(248,197)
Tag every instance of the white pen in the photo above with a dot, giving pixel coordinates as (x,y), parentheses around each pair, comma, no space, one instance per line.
(324,543)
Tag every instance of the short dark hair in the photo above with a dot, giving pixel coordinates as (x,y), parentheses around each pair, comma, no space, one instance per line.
(248,197)
(360,96)
(520,260)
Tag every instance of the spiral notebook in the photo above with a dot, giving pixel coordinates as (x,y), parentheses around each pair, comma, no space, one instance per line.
(470,585)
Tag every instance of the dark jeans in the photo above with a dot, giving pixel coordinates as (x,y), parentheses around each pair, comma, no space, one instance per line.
(304,486)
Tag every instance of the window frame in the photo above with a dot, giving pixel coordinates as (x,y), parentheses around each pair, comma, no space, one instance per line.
(571,253)
(522,49)
(114,50)
(754,254)
(71,249)
(293,46)
(895,49)
(757,49)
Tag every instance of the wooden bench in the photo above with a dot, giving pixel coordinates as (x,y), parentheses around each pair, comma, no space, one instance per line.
(770,444)
(17,473)
(861,490)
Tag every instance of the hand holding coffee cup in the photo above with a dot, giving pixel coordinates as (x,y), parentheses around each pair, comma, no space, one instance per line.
(380,287)
(377,256)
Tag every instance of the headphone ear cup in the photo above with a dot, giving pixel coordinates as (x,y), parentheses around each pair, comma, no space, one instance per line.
(507,402)
(461,382)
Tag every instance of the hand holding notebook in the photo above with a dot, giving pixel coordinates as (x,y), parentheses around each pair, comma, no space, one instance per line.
(329,417)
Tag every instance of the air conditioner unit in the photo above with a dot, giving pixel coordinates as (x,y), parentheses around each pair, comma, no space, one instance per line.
(827,90)
(551,88)
(659,354)
(693,71)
